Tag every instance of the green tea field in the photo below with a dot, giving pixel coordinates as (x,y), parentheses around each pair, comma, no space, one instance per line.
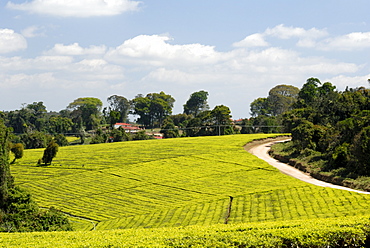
(172,183)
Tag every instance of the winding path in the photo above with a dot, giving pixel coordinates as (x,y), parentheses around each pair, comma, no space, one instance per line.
(261,151)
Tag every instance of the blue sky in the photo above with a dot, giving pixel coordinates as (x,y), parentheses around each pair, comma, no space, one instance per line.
(58,50)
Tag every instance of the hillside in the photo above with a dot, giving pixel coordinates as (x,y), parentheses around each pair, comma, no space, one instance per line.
(175,182)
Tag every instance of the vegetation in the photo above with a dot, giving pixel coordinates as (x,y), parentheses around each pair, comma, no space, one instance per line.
(50,152)
(18,211)
(330,130)
(175,182)
(332,232)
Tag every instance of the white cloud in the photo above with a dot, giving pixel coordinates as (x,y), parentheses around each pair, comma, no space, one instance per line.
(306,38)
(150,63)
(11,41)
(348,42)
(155,50)
(32,31)
(76,49)
(343,81)
(254,40)
(77,8)
(284,32)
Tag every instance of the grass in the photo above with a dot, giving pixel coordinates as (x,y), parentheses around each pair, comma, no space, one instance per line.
(176,183)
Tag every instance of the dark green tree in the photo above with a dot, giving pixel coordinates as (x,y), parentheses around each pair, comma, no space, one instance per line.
(17,150)
(221,115)
(169,129)
(121,105)
(6,180)
(196,103)
(86,112)
(153,108)
(260,106)
(282,98)
(60,125)
(50,152)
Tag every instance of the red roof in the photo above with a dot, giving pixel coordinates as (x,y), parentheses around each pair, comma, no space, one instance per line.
(122,124)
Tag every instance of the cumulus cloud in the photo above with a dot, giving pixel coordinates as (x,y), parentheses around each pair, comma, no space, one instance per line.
(306,38)
(76,8)
(254,40)
(284,32)
(348,42)
(156,50)
(11,41)
(150,63)
(76,49)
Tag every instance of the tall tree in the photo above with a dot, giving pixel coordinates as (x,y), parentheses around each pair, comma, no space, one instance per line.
(196,103)
(153,108)
(281,98)
(260,106)
(221,115)
(121,105)
(6,180)
(88,109)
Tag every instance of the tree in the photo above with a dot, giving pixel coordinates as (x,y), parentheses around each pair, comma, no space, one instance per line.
(86,111)
(59,125)
(121,105)
(6,180)
(196,103)
(35,139)
(281,99)
(17,150)
(221,115)
(50,152)
(153,108)
(260,106)
(309,91)
(169,129)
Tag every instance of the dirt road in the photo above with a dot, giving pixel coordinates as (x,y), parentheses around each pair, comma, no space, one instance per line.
(261,151)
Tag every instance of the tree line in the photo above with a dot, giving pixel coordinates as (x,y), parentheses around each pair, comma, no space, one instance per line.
(331,126)
(36,127)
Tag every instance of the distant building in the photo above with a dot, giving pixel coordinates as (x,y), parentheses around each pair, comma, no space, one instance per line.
(238,122)
(127,127)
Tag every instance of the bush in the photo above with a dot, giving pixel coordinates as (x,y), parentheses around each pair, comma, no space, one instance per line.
(50,152)
(21,214)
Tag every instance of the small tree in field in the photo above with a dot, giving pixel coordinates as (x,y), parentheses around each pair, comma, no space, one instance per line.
(17,150)
(50,152)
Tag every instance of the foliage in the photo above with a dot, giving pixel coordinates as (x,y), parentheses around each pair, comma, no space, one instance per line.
(86,112)
(119,108)
(119,134)
(281,99)
(18,212)
(21,214)
(35,139)
(333,123)
(169,129)
(141,135)
(99,137)
(153,108)
(196,103)
(6,180)
(50,152)
(61,140)
(59,125)
(17,150)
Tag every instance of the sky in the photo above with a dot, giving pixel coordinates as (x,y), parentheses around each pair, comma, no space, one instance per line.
(56,51)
